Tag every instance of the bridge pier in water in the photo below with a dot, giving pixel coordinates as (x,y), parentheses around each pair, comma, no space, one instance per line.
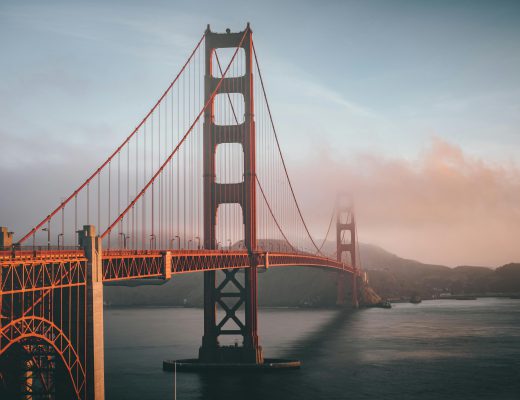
(95,348)
(342,285)
(6,239)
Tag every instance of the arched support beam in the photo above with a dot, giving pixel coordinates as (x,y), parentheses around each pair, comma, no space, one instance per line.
(32,327)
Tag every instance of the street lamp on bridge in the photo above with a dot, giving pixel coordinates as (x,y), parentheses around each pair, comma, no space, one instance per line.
(124,236)
(48,230)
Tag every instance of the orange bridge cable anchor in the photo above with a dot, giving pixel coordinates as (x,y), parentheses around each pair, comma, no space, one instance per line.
(89,179)
(281,154)
(159,171)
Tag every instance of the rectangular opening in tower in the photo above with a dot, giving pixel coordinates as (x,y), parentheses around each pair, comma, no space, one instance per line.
(229,163)
(221,58)
(346,257)
(346,236)
(230,227)
(345,216)
(229,108)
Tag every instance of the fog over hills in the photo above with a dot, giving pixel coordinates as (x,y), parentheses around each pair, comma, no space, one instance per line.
(390,275)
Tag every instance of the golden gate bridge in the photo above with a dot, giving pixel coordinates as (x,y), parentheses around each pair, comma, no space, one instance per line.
(200,185)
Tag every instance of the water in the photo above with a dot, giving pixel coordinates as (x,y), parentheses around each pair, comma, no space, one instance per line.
(445,349)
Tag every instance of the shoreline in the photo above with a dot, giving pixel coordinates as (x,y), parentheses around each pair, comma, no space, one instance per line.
(393,301)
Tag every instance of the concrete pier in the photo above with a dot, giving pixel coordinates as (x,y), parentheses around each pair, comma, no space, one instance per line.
(6,238)
(194,365)
(95,363)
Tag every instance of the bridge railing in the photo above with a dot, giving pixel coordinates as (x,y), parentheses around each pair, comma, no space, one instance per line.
(40,252)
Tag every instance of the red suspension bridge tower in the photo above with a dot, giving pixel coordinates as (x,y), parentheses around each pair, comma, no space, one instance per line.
(346,250)
(217,194)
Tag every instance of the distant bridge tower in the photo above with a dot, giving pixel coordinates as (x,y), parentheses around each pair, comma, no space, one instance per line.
(346,243)
(242,193)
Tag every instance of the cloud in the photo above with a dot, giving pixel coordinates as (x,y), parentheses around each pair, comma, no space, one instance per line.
(136,30)
(444,206)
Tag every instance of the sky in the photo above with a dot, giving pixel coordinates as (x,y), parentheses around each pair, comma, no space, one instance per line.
(411,106)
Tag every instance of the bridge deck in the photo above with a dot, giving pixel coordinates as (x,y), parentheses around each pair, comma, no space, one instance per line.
(121,265)
(31,265)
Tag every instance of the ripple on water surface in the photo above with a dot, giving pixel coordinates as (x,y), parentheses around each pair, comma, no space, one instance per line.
(444,349)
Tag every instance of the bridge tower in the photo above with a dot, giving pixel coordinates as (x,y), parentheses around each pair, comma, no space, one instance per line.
(242,193)
(346,243)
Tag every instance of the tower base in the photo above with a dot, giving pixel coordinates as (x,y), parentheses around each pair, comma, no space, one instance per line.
(195,365)
(231,354)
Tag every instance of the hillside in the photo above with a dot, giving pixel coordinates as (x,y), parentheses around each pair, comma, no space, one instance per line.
(395,277)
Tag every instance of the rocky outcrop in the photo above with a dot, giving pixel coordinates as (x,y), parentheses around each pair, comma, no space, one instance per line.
(368,297)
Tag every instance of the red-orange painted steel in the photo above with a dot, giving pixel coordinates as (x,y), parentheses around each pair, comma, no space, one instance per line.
(109,159)
(44,293)
(346,243)
(42,298)
(129,264)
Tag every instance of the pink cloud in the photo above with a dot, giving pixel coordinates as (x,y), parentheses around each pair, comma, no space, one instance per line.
(445,206)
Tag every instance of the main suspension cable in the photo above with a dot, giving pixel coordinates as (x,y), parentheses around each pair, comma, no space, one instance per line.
(159,171)
(328,230)
(109,159)
(256,176)
(281,154)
